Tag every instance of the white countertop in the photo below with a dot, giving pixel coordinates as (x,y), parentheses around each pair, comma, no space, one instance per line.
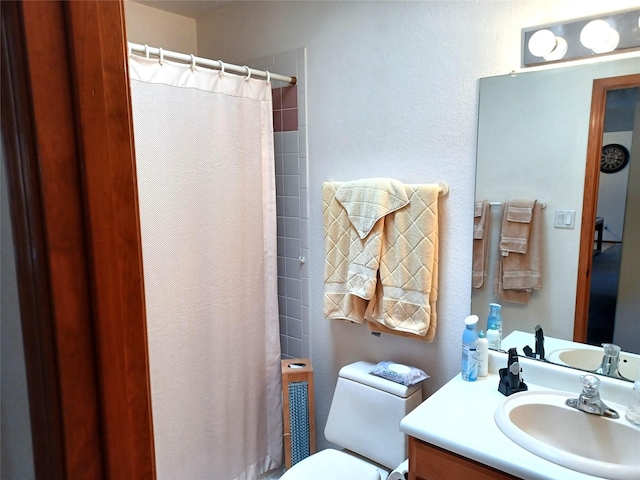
(460,417)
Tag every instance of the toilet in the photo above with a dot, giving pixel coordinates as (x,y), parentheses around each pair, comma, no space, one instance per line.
(364,419)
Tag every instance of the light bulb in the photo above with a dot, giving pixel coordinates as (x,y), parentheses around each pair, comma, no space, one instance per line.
(545,44)
(559,51)
(542,43)
(610,45)
(598,36)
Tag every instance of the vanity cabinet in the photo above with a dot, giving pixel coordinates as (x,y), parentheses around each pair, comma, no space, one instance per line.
(428,462)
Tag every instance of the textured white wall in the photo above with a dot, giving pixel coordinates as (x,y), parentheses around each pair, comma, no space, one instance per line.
(158,28)
(392,91)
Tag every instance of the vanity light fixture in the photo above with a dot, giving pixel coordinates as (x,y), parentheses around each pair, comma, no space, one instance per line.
(578,39)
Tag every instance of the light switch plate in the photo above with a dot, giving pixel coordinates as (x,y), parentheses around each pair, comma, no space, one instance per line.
(565,219)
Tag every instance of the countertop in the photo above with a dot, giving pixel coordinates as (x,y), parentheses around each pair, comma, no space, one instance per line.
(460,417)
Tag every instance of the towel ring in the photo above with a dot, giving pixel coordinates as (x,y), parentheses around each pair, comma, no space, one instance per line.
(161,55)
(248,72)
(221,67)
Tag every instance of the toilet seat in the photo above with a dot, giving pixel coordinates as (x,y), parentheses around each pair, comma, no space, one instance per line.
(331,464)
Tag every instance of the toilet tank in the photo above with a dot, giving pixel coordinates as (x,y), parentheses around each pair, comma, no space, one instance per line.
(365,414)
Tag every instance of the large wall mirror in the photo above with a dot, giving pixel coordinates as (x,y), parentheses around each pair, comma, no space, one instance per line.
(533,135)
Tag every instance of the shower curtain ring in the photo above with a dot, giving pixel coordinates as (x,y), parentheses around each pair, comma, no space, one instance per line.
(193,62)
(268,77)
(146,50)
(221,67)
(248,72)
(161,54)
(128,49)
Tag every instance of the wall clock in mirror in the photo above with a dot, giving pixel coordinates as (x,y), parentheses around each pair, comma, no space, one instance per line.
(614,158)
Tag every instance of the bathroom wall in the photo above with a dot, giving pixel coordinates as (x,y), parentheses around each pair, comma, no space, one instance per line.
(392,90)
(157,28)
(612,191)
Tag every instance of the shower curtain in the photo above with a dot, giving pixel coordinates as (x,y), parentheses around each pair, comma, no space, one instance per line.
(205,167)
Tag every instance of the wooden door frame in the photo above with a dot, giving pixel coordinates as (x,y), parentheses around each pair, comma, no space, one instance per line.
(590,197)
(67,129)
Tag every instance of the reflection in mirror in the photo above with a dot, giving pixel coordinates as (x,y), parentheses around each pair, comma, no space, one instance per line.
(613,189)
(532,144)
(608,360)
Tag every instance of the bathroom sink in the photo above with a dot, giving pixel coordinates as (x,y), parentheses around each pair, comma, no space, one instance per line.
(590,359)
(540,422)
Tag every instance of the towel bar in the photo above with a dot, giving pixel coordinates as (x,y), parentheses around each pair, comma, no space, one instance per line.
(494,204)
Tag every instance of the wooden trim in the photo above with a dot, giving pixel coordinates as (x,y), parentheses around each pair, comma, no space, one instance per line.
(99,66)
(23,186)
(590,198)
(90,367)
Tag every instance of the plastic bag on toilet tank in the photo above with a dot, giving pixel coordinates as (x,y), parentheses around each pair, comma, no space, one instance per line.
(399,373)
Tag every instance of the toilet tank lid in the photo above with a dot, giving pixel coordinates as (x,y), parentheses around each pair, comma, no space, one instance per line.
(361,372)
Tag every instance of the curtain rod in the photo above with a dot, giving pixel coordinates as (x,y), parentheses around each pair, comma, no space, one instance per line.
(216,64)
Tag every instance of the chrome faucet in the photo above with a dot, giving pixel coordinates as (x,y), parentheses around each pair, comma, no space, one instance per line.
(589,400)
(610,359)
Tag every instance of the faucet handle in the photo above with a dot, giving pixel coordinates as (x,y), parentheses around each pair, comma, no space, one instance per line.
(611,349)
(590,385)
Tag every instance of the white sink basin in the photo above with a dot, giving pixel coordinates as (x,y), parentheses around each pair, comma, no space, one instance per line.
(590,359)
(540,422)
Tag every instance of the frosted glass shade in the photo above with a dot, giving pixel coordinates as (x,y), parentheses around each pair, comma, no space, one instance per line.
(599,36)
(545,44)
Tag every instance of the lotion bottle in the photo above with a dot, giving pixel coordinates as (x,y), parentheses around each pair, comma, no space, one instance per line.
(493,337)
(469,349)
(483,354)
(495,318)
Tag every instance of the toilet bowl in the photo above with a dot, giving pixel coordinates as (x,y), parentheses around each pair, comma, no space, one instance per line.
(364,420)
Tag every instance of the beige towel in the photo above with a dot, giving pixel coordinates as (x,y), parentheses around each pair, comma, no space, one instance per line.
(516,224)
(338,303)
(519,274)
(365,202)
(353,225)
(481,239)
(368,200)
(407,291)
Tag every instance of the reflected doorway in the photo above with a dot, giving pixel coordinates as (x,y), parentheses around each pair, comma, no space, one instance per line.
(603,270)
(613,186)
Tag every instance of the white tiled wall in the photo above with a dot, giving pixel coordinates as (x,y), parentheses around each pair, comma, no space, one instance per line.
(292,209)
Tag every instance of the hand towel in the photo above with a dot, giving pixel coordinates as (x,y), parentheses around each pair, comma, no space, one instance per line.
(366,202)
(481,240)
(407,290)
(519,274)
(338,302)
(516,223)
